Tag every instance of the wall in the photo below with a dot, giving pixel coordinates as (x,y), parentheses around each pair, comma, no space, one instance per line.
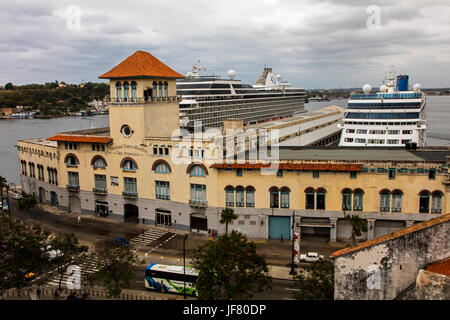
(383,270)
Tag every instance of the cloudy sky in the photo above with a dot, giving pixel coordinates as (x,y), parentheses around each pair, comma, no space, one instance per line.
(311,43)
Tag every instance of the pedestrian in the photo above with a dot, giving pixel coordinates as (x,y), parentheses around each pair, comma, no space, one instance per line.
(79,219)
(281,238)
(38,293)
(142,231)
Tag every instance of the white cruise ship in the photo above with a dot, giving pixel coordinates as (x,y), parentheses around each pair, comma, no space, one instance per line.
(393,117)
(211,99)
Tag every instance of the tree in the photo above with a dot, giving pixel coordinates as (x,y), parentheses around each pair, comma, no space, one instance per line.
(226,217)
(315,282)
(2,185)
(22,254)
(27,202)
(9,86)
(358,225)
(115,267)
(66,251)
(230,268)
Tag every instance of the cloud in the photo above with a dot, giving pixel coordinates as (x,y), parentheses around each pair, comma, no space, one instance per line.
(312,43)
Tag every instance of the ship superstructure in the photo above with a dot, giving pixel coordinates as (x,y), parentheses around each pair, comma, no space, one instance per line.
(211,99)
(393,117)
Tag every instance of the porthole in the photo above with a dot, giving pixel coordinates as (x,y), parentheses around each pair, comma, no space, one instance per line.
(126,131)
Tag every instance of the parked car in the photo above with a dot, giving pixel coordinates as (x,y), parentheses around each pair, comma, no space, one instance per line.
(17,196)
(311,257)
(120,241)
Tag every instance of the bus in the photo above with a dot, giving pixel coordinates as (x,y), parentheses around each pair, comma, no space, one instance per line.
(166,278)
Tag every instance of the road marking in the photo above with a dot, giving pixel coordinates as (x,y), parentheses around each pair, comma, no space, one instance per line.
(292,289)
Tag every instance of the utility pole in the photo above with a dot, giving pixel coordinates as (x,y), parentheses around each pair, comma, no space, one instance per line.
(292,272)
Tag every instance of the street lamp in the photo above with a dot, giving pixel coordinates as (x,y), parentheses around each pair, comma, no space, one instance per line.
(184,265)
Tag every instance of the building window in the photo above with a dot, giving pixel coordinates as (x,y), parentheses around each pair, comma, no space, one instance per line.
(160,86)
(274,197)
(250,197)
(73,179)
(198,193)
(321,194)
(99,163)
(118,91)
(424,202)
(155,151)
(197,171)
(100,182)
(155,90)
(347,199)
(310,198)
(130,186)
(432,174)
(129,165)
(166,89)
(436,202)
(391,173)
(162,190)
(161,168)
(397,201)
(126,89)
(240,197)
(229,196)
(316,174)
(358,200)
(71,161)
(239,172)
(353,175)
(133,91)
(279,173)
(285,194)
(166,151)
(385,200)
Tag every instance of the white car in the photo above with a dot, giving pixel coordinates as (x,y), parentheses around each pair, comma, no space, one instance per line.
(311,257)
(17,196)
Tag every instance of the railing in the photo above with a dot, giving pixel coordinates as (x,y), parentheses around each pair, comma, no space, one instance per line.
(140,100)
(100,190)
(130,194)
(198,203)
(386,96)
(73,187)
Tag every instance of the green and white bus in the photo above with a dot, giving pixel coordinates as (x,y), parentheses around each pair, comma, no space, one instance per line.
(167,278)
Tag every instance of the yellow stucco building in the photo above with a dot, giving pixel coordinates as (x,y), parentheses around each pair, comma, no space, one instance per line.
(143,168)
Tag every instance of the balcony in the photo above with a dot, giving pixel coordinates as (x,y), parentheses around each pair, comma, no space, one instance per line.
(198,203)
(130,195)
(73,187)
(142,100)
(100,191)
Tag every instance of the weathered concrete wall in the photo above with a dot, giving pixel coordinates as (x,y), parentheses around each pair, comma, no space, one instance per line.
(383,270)
(432,286)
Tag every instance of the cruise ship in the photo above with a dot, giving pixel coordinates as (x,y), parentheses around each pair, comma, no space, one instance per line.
(393,117)
(209,100)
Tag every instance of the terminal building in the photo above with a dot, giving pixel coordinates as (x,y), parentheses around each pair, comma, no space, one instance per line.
(143,168)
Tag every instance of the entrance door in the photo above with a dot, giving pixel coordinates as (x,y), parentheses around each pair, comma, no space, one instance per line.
(53,198)
(41,195)
(163,217)
(280,226)
(101,208)
(148,94)
(74,204)
(131,213)
(199,223)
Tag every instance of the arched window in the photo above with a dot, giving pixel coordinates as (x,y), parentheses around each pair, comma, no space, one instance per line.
(320,199)
(118,91)
(161,168)
(160,88)
(229,196)
(128,165)
(98,163)
(71,160)
(285,195)
(436,202)
(397,200)
(155,89)
(358,200)
(346,199)
(274,197)
(197,171)
(424,201)
(250,197)
(385,196)
(240,196)
(126,90)
(310,198)
(166,89)
(133,91)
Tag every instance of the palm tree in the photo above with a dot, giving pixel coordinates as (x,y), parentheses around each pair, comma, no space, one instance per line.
(227,216)
(358,225)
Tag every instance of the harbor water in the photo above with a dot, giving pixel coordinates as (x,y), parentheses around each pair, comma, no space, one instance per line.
(438,131)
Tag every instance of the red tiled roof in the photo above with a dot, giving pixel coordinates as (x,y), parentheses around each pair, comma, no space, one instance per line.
(91,139)
(393,235)
(441,267)
(141,64)
(293,166)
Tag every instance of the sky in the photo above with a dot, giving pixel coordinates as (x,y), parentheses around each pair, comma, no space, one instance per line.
(311,43)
